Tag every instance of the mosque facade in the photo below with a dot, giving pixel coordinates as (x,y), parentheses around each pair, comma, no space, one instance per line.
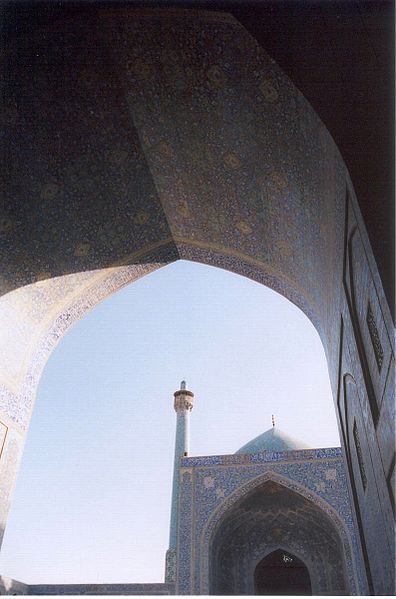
(275,498)
(274,518)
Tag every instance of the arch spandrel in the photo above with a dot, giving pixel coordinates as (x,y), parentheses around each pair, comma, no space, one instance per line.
(282,481)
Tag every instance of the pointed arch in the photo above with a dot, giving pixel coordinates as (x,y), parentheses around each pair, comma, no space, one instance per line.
(217,517)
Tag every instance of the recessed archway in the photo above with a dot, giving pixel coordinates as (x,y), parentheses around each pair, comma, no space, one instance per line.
(271,516)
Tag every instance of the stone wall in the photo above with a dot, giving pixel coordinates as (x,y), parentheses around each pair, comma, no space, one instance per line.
(13,587)
(102,589)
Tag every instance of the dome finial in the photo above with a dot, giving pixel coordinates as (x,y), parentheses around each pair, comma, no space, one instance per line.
(183,385)
(273,420)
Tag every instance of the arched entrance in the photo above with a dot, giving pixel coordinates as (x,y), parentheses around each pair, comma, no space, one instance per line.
(207,286)
(270,517)
(179,137)
(281,573)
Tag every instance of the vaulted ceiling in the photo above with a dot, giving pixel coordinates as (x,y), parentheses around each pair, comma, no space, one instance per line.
(340,56)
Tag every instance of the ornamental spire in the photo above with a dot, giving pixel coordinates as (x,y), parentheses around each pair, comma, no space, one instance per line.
(273,420)
(184,399)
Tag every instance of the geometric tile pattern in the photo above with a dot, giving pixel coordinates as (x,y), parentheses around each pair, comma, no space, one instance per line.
(212,485)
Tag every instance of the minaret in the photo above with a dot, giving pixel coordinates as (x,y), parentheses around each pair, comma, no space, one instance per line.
(183,404)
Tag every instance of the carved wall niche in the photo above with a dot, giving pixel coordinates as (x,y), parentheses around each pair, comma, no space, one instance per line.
(369,318)
(367,334)
(273,517)
(367,483)
(371,329)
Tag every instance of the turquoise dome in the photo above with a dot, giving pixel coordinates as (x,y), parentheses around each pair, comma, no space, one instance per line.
(272,440)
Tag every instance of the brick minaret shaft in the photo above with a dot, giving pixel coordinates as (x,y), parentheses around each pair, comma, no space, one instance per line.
(183,404)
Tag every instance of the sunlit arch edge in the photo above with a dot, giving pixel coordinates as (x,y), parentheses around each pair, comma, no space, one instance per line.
(110,280)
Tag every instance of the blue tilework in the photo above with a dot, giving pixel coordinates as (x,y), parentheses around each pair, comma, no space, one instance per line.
(317,473)
(272,440)
(179,452)
(184,557)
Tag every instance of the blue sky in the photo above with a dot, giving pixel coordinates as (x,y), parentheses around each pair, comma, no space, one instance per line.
(93,494)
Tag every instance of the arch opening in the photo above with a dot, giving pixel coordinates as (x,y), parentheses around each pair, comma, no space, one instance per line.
(281,573)
(272,518)
(96,391)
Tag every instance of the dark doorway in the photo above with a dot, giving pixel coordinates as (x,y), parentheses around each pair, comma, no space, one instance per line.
(281,573)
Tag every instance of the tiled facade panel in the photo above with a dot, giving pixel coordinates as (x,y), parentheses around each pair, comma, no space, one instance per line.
(220,482)
(368,483)
(366,400)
